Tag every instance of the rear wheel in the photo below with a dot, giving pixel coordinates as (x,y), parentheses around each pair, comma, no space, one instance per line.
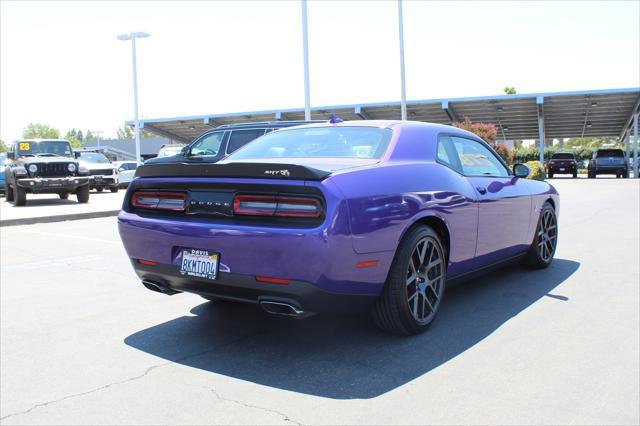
(575,175)
(591,174)
(99,189)
(83,194)
(550,175)
(545,240)
(625,175)
(114,188)
(20,195)
(412,295)
(8,192)
(64,195)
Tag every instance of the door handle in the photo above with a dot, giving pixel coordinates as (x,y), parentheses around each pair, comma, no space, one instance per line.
(481,189)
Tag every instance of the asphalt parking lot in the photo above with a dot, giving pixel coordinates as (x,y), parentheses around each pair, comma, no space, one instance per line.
(50,208)
(82,342)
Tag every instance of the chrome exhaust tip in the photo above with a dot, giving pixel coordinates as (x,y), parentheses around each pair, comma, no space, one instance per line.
(158,287)
(281,308)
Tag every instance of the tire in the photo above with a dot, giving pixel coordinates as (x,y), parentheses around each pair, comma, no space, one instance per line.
(8,192)
(64,195)
(20,195)
(99,189)
(550,175)
(83,194)
(575,175)
(413,292)
(114,189)
(625,175)
(543,246)
(591,175)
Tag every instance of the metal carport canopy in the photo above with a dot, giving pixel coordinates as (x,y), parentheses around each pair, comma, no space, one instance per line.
(521,116)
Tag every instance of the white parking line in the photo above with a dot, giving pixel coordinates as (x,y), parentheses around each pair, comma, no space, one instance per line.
(53,234)
(68,261)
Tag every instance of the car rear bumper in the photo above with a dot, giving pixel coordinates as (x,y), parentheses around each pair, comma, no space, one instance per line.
(613,169)
(52,184)
(317,256)
(245,288)
(562,169)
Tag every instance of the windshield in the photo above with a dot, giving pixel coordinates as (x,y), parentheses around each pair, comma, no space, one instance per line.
(94,157)
(563,156)
(44,148)
(318,142)
(609,153)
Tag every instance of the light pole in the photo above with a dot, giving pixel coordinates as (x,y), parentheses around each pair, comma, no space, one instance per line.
(403,88)
(305,54)
(97,133)
(126,37)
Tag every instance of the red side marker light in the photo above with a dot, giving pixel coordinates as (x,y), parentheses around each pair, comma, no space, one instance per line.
(367,264)
(146,262)
(272,280)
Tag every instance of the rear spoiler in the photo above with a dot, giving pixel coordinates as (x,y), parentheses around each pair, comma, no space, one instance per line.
(233,170)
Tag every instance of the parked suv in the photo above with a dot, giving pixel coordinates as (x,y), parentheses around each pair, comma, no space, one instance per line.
(217,143)
(608,162)
(103,173)
(562,163)
(44,166)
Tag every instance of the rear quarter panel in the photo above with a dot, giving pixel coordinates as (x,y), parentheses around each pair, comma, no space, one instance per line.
(385,201)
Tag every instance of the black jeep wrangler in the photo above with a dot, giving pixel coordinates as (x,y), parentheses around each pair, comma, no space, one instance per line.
(44,166)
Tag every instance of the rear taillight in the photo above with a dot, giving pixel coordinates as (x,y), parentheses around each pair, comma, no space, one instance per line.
(174,201)
(279,206)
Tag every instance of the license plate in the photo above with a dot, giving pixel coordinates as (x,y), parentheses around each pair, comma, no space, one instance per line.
(562,169)
(199,263)
(98,178)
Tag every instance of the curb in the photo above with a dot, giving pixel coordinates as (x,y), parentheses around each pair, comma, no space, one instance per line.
(58,218)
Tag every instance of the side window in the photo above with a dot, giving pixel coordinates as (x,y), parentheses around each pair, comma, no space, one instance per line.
(208,145)
(240,138)
(476,159)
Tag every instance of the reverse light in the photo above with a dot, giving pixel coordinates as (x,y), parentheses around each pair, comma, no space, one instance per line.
(279,206)
(174,201)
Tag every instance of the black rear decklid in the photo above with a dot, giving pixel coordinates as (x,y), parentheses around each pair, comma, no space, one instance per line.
(233,170)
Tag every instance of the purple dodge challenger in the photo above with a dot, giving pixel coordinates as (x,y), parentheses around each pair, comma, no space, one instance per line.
(338,217)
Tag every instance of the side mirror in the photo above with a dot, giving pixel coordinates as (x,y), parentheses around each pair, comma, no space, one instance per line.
(76,154)
(520,170)
(11,155)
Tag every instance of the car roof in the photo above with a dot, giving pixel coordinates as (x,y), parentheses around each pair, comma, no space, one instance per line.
(36,140)
(260,124)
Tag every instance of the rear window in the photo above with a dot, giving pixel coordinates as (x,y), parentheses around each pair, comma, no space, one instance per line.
(318,142)
(563,156)
(609,153)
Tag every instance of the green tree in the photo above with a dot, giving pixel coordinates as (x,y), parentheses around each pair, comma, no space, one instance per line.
(3,146)
(72,137)
(39,130)
(124,132)
(509,90)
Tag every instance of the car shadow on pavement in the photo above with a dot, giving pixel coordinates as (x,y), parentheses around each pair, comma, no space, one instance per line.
(345,357)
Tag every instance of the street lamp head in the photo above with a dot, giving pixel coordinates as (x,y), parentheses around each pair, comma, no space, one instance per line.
(126,37)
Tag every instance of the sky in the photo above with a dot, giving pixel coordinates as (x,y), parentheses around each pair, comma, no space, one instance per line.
(61,64)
